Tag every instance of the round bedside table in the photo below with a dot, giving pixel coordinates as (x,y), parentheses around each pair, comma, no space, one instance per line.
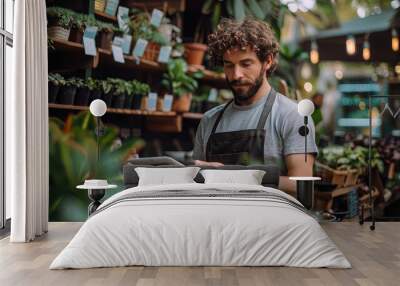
(305,190)
(96,191)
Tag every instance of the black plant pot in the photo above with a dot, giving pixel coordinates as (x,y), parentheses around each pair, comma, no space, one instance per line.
(53,91)
(128,101)
(118,101)
(95,94)
(82,97)
(107,97)
(67,95)
(137,101)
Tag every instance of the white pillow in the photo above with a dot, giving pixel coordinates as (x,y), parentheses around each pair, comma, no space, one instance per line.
(166,176)
(248,177)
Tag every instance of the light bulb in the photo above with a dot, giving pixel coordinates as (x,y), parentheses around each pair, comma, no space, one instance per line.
(366,51)
(314,55)
(395,41)
(351,45)
(305,107)
(98,107)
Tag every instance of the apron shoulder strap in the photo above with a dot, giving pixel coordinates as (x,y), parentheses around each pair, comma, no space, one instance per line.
(267,109)
(219,117)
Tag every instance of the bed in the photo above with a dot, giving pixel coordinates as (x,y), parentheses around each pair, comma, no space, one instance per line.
(197,224)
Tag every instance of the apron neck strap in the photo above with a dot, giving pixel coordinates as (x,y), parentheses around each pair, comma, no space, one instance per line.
(267,108)
(220,116)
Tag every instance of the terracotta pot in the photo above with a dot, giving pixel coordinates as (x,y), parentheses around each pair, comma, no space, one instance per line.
(58,32)
(104,40)
(182,104)
(152,51)
(99,5)
(76,35)
(194,53)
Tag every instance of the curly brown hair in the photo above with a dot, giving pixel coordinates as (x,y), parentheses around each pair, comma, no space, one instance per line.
(251,33)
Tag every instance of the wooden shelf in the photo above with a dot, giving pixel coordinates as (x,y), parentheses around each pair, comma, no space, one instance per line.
(192,115)
(105,16)
(105,57)
(115,110)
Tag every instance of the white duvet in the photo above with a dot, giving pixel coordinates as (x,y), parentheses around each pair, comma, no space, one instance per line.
(200,231)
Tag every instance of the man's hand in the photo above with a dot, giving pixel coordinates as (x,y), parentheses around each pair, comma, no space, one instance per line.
(205,163)
(296,166)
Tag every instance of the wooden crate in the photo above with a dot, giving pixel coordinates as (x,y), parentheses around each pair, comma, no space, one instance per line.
(341,178)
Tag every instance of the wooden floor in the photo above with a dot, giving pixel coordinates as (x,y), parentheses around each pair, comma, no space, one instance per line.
(375,257)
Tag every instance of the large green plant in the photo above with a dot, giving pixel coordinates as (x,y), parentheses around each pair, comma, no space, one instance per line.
(177,80)
(73,158)
(348,157)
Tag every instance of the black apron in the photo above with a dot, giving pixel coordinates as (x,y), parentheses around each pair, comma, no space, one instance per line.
(243,147)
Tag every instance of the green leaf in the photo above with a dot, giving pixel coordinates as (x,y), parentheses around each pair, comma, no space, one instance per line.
(256,9)
(239,10)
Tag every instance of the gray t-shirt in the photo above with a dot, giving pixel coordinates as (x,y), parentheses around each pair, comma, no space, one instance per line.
(281,138)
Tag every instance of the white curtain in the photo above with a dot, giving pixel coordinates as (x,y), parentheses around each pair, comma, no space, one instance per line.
(27,124)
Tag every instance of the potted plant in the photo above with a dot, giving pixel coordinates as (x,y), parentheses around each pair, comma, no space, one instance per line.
(180,84)
(78,24)
(130,87)
(59,21)
(107,88)
(119,90)
(55,81)
(142,29)
(83,93)
(104,35)
(141,90)
(95,89)
(68,91)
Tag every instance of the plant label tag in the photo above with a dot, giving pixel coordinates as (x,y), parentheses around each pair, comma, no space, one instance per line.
(152,101)
(212,96)
(165,53)
(111,7)
(117,51)
(167,103)
(89,42)
(123,18)
(140,47)
(156,17)
(126,46)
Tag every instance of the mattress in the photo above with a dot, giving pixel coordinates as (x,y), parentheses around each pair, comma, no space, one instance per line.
(201,225)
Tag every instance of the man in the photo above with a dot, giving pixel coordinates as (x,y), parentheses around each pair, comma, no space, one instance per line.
(259,123)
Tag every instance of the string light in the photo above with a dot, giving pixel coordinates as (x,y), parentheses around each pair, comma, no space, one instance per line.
(395,41)
(314,55)
(366,50)
(351,45)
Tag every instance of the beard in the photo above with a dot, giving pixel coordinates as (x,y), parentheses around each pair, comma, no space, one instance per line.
(241,96)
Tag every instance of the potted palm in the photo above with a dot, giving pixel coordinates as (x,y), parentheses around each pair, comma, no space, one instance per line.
(180,84)
(59,22)
(55,81)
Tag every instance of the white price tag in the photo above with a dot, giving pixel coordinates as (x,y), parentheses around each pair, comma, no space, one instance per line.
(165,53)
(123,18)
(156,17)
(212,96)
(167,103)
(126,46)
(89,42)
(140,47)
(111,7)
(152,101)
(117,51)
